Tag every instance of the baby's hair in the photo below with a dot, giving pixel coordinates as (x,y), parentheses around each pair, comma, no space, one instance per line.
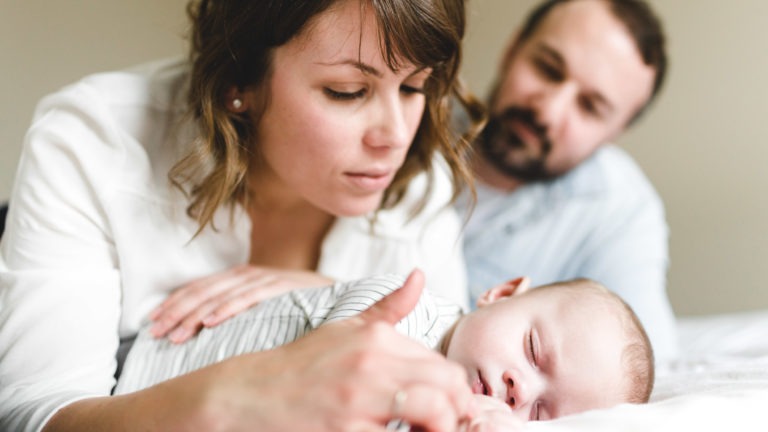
(637,356)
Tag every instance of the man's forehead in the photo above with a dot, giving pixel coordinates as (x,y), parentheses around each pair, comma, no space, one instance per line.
(597,49)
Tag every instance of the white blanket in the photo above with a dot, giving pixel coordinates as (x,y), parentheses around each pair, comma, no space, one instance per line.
(720,383)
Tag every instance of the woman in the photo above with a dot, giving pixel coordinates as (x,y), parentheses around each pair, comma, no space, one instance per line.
(301,137)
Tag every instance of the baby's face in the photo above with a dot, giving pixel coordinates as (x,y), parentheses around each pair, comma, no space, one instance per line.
(546,352)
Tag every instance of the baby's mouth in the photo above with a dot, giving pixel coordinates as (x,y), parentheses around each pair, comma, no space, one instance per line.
(486,389)
(480,386)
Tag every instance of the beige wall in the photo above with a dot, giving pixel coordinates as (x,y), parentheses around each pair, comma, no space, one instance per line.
(703,144)
(45,44)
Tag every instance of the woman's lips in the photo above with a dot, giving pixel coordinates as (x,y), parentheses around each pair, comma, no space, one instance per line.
(370,181)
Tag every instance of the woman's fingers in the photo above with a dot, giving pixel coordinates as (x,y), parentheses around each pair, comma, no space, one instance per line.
(198,290)
(213,299)
(242,294)
(428,408)
(256,290)
(188,298)
(343,376)
(436,395)
(399,303)
(492,415)
(379,362)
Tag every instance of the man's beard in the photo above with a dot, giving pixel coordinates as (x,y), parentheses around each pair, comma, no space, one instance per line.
(508,153)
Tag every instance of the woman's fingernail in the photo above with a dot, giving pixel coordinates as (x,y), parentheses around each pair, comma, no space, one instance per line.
(178,335)
(210,320)
(157,330)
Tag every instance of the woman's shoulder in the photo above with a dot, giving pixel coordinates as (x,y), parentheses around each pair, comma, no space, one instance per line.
(157,85)
(115,126)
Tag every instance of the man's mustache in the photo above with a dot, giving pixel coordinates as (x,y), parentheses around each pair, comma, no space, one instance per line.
(525,116)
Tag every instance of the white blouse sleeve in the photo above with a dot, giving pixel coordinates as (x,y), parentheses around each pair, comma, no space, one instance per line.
(59,285)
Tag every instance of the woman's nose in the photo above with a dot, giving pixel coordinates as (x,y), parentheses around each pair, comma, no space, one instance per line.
(389,126)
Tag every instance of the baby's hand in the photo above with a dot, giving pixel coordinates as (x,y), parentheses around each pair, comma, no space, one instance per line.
(492,415)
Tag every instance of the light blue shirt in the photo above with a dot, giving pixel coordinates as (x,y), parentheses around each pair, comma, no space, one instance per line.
(603,220)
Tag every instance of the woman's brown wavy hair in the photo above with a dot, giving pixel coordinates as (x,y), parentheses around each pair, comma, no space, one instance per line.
(232,43)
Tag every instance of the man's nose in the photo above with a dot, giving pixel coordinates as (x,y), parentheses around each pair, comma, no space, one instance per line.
(553,104)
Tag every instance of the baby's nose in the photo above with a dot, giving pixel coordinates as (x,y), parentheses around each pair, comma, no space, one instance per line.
(519,390)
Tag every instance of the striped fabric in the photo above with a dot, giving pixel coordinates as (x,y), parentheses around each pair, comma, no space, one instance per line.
(276,322)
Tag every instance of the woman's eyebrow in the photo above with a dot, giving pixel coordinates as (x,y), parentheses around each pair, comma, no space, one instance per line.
(364,68)
(368,69)
(420,70)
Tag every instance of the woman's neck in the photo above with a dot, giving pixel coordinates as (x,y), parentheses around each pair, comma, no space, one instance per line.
(288,236)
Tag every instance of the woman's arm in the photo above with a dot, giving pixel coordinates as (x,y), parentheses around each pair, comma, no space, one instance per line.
(342,376)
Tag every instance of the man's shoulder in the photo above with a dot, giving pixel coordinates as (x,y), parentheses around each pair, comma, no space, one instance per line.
(610,172)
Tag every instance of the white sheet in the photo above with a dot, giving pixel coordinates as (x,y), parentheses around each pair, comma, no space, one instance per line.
(720,383)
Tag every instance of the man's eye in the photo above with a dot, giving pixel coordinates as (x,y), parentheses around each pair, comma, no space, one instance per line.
(589,107)
(549,71)
(343,96)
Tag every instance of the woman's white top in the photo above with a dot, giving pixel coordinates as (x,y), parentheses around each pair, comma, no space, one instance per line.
(96,237)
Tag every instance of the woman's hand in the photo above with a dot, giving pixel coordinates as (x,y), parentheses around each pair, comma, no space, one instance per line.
(343,376)
(491,415)
(213,299)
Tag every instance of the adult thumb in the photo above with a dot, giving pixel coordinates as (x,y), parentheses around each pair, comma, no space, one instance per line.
(398,303)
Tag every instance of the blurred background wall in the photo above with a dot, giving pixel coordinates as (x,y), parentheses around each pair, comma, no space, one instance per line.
(46,44)
(704,144)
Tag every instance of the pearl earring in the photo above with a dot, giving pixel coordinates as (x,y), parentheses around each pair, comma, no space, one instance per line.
(237,103)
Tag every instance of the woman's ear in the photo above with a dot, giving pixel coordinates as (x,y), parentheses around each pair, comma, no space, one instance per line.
(236,101)
(507,289)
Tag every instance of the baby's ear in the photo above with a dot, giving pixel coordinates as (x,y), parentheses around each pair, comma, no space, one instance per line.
(507,289)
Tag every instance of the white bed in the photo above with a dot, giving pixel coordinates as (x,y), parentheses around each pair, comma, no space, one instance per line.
(719,383)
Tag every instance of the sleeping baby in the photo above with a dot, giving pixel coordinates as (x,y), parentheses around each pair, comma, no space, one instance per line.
(529,353)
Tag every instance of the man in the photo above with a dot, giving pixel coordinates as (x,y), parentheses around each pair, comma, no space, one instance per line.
(555,200)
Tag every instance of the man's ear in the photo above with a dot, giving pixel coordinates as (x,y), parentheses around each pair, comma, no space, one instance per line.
(507,289)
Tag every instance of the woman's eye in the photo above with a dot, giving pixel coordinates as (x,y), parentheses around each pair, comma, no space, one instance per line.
(411,89)
(343,96)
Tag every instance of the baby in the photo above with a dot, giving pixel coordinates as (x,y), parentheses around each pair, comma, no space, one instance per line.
(546,352)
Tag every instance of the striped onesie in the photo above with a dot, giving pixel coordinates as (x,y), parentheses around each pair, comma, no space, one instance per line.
(276,322)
